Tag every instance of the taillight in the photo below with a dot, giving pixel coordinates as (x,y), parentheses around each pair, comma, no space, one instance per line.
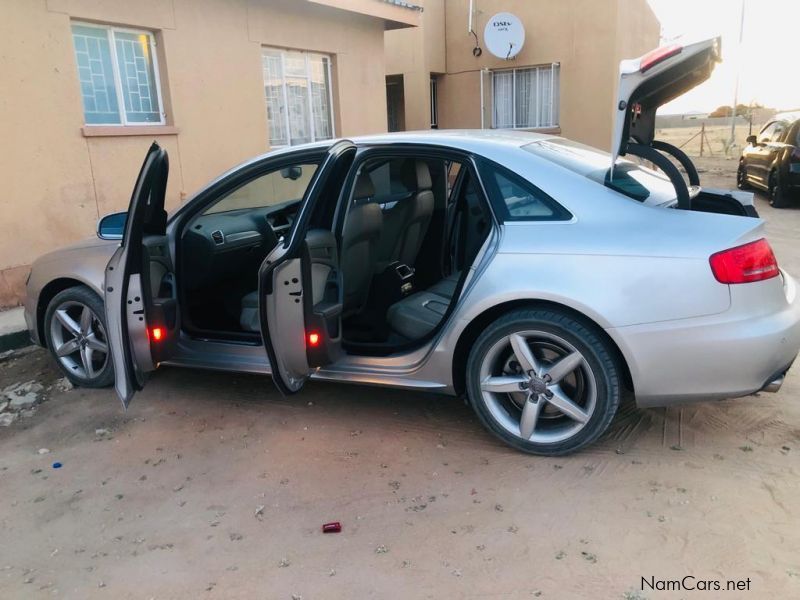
(652,58)
(751,262)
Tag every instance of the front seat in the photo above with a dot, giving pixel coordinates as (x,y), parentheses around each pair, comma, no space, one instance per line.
(362,228)
(406,223)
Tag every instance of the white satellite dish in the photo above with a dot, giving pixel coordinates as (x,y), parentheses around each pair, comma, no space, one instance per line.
(504,35)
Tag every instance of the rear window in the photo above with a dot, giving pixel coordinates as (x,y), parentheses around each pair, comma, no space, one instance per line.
(518,199)
(628,178)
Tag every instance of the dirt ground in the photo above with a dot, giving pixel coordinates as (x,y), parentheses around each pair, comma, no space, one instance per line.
(214,486)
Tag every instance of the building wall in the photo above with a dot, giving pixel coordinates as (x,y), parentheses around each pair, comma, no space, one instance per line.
(59,180)
(587,38)
(415,53)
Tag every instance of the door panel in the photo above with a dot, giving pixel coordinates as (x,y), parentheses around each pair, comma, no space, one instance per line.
(300,284)
(324,305)
(140,304)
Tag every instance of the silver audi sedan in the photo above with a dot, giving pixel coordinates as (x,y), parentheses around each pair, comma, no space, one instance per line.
(535,276)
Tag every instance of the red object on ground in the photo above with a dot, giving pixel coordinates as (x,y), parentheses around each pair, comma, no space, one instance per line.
(334,527)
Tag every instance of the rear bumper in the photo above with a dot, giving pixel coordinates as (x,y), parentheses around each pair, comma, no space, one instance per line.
(736,353)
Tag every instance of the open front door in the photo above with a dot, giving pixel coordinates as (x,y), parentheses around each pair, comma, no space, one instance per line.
(140,290)
(300,283)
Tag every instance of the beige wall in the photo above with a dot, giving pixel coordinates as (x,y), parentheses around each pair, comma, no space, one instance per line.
(416,53)
(587,37)
(58,181)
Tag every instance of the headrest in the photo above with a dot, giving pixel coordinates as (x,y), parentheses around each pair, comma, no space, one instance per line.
(364,186)
(416,175)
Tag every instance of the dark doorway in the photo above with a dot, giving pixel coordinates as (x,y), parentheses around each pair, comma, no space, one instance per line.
(395,103)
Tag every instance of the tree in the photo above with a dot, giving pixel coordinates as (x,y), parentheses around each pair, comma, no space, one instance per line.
(721,111)
(742,110)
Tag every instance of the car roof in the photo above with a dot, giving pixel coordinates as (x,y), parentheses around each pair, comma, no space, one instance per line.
(464,139)
(787,116)
(470,140)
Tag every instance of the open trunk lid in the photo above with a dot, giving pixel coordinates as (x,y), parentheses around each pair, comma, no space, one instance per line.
(652,80)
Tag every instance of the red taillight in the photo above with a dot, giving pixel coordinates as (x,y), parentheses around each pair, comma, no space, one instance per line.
(313,339)
(652,58)
(156,333)
(743,264)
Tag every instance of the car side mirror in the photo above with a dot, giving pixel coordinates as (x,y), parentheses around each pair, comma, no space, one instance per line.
(751,139)
(294,172)
(112,227)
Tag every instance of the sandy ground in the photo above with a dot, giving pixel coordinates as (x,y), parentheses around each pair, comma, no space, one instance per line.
(214,486)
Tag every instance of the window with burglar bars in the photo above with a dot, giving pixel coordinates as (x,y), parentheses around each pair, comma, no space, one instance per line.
(297,87)
(118,75)
(525,98)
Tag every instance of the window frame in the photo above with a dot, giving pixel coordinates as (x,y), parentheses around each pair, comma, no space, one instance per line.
(123,113)
(309,100)
(487,169)
(513,71)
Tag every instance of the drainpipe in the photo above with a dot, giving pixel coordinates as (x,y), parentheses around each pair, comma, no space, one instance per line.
(483,99)
(469,20)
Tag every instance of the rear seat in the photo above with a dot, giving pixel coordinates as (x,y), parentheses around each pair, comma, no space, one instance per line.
(415,316)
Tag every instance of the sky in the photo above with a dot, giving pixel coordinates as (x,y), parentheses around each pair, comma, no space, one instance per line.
(766,58)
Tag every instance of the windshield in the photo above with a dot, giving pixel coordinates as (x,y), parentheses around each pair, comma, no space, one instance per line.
(629,178)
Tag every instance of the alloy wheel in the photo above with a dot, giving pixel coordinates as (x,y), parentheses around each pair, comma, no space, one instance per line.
(538,386)
(79,339)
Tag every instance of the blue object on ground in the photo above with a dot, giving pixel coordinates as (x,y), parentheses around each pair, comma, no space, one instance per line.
(56,465)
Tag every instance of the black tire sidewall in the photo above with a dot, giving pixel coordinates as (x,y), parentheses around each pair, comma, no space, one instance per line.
(777,195)
(87,297)
(741,178)
(581,335)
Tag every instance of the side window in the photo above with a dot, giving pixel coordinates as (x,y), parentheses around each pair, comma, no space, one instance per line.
(767,134)
(275,188)
(519,200)
(780,128)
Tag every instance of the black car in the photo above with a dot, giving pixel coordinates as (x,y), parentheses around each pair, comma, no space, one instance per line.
(771,160)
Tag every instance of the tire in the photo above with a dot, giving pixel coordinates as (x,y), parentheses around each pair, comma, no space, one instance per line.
(67,327)
(741,178)
(593,386)
(777,195)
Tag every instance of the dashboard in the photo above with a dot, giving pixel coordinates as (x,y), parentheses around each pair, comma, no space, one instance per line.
(224,245)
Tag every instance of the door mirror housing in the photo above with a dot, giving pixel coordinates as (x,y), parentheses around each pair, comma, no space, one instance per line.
(294,172)
(112,227)
(751,139)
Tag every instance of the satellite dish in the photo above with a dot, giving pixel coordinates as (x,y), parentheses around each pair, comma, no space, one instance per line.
(504,35)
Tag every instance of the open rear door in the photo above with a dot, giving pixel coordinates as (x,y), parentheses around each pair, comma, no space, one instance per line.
(300,283)
(140,290)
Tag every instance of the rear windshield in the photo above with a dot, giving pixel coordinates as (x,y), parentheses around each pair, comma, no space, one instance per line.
(630,179)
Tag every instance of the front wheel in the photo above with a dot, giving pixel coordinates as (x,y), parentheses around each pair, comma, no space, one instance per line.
(75,330)
(741,178)
(543,381)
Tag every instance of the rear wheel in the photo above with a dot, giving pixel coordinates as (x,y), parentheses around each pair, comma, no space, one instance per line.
(75,330)
(543,381)
(777,195)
